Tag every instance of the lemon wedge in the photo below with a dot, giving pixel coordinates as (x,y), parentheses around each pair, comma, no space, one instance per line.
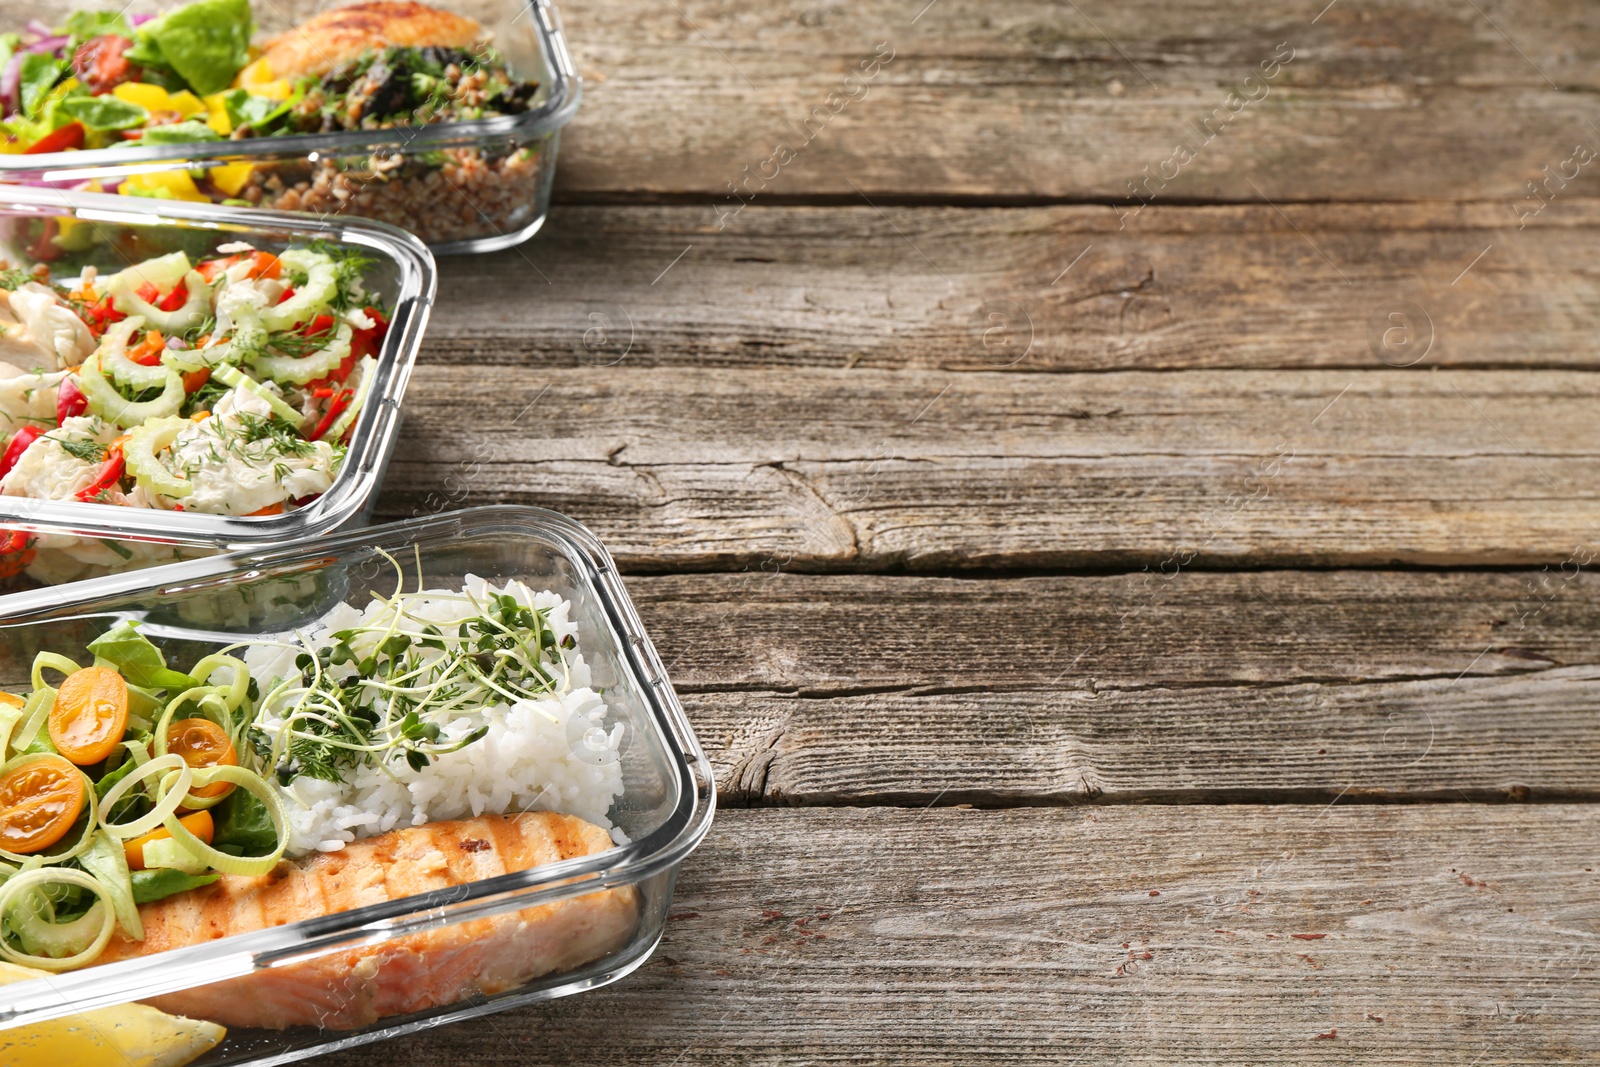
(128,1035)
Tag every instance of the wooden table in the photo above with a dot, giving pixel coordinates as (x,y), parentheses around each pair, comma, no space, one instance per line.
(1129,626)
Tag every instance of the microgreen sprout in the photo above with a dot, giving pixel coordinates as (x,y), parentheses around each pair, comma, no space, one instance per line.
(405,688)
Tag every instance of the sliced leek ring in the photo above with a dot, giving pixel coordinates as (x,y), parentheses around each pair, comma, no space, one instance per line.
(19,885)
(253,784)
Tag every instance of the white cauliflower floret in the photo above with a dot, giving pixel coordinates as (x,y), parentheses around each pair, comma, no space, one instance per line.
(240,462)
(48,470)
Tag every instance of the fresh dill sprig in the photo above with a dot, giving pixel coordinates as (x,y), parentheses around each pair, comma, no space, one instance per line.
(282,438)
(87,449)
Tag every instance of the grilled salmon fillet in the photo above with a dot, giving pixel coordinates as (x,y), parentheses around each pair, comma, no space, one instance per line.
(321,43)
(356,987)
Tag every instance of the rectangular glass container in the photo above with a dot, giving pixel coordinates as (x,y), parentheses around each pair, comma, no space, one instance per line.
(92,538)
(459,186)
(193,607)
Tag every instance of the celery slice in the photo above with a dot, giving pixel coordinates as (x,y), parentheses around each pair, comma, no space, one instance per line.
(106,402)
(235,378)
(139,453)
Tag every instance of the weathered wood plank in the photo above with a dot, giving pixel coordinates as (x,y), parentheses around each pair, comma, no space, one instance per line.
(864,470)
(1040,289)
(1445,933)
(855,689)
(1399,100)
(836,635)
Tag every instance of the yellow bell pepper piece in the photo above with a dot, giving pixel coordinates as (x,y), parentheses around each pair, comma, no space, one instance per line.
(142,94)
(185,103)
(164,185)
(129,1035)
(256,72)
(256,78)
(154,98)
(218,119)
(230,177)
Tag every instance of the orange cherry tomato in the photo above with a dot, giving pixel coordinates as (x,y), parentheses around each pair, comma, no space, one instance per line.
(90,715)
(11,700)
(199,824)
(202,743)
(39,802)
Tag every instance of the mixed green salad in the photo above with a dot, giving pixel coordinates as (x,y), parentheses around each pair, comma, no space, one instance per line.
(191,75)
(120,784)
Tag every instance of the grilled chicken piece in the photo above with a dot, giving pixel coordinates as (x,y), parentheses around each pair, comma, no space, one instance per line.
(319,44)
(355,987)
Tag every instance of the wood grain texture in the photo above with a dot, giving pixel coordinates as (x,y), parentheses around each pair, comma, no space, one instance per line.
(1402,100)
(1029,290)
(866,470)
(1451,934)
(810,689)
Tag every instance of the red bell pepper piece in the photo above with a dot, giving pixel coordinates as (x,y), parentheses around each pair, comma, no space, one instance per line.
(19,444)
(367,342)
(362,343)
(175,299)
(335,409)
(99,315)
(68,136)
(70,400)
(288,291)
(110,473)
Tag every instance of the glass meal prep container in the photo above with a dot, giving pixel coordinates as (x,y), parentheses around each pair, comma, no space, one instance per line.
(192,608)
(71,540)
(460,186)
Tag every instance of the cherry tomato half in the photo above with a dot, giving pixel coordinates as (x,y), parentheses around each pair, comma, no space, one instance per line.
(90,715)
(199,824)
(202,743)
(39,802)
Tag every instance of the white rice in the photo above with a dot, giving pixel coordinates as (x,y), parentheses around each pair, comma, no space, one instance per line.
(548,754)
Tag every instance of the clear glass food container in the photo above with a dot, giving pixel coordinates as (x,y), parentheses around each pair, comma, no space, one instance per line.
(459,186)
(74,540)
(192,608)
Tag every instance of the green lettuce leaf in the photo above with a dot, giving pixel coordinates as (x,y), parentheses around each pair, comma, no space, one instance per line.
(206,42)
(136,659)
(40,73)
(186,132)
(101,113)
(161,882)
(244,109)
(87,24)
(243,826)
